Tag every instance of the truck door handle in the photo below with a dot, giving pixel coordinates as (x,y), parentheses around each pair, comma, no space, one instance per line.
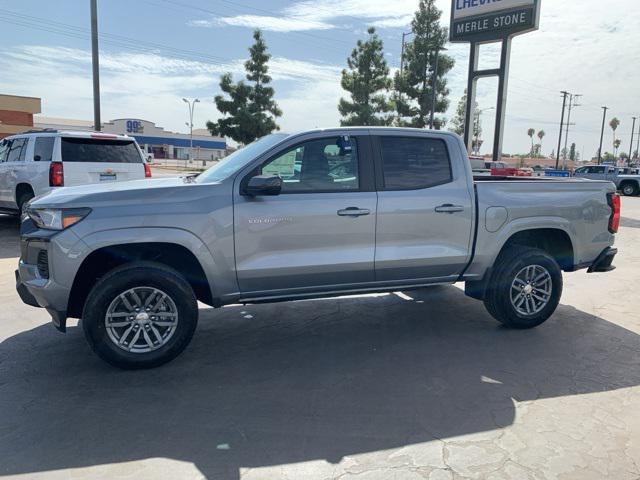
(449,208)
(353,212)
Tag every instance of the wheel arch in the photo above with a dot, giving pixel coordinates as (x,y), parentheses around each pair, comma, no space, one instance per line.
(21,189)
(105,258)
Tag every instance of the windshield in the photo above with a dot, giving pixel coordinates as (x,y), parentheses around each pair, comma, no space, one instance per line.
(238,159)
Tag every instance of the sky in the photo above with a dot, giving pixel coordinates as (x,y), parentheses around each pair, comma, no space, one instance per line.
(155,52)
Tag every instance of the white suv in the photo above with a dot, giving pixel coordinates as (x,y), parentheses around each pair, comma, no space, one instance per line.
(33,163)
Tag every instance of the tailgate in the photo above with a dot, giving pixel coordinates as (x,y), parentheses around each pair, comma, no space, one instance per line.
(98,160)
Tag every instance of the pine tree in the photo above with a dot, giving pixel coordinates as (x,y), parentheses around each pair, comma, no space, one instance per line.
(367,80)
(250,111)
(414,85)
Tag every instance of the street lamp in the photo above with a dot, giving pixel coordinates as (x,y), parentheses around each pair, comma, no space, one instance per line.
(434,87)
(192,106)
(476,126)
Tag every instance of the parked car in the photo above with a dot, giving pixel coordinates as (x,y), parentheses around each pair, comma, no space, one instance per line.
(401,212)
(628,184)
(501,169)
(34,163)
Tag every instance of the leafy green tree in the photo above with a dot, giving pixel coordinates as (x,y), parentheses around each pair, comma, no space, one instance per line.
(414,85)
(367,80)
(572,152)
(249,111)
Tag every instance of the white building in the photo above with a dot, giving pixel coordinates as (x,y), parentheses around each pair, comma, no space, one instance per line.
(151,138)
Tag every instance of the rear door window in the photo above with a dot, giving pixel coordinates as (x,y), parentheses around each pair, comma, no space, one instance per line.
(5,145)
(43,150)
(99,150)
(411,163)
(18,150)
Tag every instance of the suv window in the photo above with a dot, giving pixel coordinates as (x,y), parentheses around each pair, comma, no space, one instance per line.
(4,150)
(322,165)
(582,170)
(413,163)
(43,150)
(596,169)
(18,150)
(99,150)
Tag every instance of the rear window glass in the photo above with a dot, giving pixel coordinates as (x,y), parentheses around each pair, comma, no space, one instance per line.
(100,151)
(43,150)
(414,163)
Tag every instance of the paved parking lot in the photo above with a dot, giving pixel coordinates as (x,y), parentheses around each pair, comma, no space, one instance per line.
(416,385)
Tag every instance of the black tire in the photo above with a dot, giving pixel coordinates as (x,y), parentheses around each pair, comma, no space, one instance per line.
(509,264)
(629,189)
(139,275)
(22,201)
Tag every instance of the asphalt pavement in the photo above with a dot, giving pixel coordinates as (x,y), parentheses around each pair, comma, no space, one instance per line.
(408,385)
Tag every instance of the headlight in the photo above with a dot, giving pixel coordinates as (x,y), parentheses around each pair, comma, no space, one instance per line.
(57,218)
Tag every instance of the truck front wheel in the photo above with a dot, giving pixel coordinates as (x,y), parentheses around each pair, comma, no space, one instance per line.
(525,287)
(140,315)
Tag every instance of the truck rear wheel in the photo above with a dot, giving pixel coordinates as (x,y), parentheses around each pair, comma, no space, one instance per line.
(629,189)
(140,315)
(525,287)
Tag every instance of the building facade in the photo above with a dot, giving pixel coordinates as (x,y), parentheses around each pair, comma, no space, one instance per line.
(154,140)
(16,113)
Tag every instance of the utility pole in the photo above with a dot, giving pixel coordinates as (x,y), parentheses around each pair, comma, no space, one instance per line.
(564,105)
(192,106)
(633,130)
(604,120)
(97,124)
(566,136)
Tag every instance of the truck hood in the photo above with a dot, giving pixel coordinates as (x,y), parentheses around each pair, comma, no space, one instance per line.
(117,192)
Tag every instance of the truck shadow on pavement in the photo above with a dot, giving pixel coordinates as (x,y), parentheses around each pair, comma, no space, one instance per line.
(282,383)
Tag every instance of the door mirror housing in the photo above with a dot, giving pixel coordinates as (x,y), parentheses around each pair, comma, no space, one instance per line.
(37,158)
(261,185)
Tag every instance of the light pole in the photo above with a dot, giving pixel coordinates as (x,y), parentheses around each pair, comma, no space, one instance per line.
(476,127)
(434,95)
(95,65)
(192,106)
(633,130)
(604,119)
(404,35)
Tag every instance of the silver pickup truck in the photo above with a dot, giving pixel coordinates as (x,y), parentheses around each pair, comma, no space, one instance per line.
(627,180)
(314,214)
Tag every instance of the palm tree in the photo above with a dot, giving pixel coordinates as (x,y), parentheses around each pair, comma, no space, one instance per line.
(616,146)
(614,124)
(541,135)
(531,132)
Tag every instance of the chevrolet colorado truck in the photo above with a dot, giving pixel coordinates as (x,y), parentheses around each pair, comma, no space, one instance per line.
(314,214)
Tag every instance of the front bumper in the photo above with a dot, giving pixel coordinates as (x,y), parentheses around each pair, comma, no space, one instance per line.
(604,261)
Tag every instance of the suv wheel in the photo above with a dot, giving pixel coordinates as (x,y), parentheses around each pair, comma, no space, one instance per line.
(628,189)
(140,315)
(23,199)
(525,287)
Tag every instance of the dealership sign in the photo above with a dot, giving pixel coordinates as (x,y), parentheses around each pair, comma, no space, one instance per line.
(485,20)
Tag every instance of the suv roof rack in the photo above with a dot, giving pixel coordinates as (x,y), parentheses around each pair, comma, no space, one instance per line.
(41,130)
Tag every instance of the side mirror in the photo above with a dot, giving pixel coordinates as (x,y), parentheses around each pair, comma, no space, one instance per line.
(263,185)
(37,158)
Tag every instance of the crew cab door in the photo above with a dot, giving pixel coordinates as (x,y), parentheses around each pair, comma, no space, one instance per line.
(320,230)
(425,209)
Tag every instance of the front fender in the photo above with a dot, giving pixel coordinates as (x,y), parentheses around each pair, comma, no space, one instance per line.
(221,280)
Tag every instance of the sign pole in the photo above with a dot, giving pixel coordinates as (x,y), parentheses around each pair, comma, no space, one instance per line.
(471,96)
(501,108)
